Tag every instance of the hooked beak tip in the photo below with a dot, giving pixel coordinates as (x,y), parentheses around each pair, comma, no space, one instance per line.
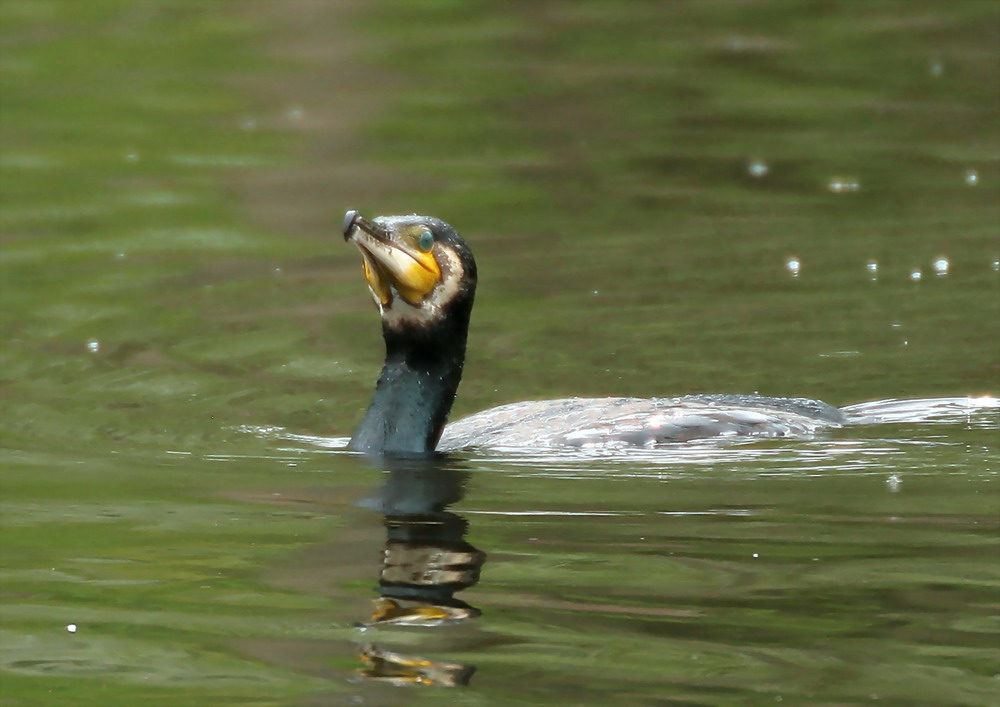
(349,218)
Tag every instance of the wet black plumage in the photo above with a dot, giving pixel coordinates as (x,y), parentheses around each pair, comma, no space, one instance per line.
(423,278)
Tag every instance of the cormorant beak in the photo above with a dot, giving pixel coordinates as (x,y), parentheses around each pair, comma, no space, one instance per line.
(349,218)
(390,265)
(352,218)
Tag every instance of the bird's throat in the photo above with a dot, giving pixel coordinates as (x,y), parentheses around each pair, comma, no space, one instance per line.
(415,391)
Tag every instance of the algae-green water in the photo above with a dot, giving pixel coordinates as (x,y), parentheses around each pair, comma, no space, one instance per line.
(791,198)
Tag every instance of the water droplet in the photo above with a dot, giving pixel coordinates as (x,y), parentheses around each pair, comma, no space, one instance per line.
(996,266)
(758,168)
(893,482)
(595,293)
(93,346)
(941,266)
(132,157)
(916,274)
(793,266)
(971,177)
(120,256)
(843,185)
(936,68)
(872,266)
(295,113)
(249,124)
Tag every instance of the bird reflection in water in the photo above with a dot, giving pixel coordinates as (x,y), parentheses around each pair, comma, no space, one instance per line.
(426,561)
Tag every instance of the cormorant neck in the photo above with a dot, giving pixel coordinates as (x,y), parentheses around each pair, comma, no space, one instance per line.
(415,392)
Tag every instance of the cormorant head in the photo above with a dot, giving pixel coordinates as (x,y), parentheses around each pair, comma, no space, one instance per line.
(419,270)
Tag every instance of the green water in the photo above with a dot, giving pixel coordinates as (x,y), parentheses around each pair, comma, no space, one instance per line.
(183,329)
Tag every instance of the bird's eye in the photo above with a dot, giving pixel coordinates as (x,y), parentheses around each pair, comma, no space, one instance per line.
(426,241)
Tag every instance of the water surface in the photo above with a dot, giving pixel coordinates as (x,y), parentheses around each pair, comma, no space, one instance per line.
(785,198)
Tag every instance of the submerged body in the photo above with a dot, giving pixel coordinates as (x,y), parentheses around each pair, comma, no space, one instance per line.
(422,277)
(642,422)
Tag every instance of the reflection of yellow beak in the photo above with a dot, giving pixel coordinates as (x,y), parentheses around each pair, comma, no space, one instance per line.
(398,669)
(390,265)
(388,611)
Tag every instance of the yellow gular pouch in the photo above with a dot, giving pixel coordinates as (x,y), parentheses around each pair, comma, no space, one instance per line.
(377,282)
(403,269)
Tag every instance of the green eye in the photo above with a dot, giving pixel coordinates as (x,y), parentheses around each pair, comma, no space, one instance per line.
(426,241)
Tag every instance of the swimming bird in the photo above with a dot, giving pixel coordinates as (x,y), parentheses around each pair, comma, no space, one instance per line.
(422,276)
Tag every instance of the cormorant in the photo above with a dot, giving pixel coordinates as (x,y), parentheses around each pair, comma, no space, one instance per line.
(422,276)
